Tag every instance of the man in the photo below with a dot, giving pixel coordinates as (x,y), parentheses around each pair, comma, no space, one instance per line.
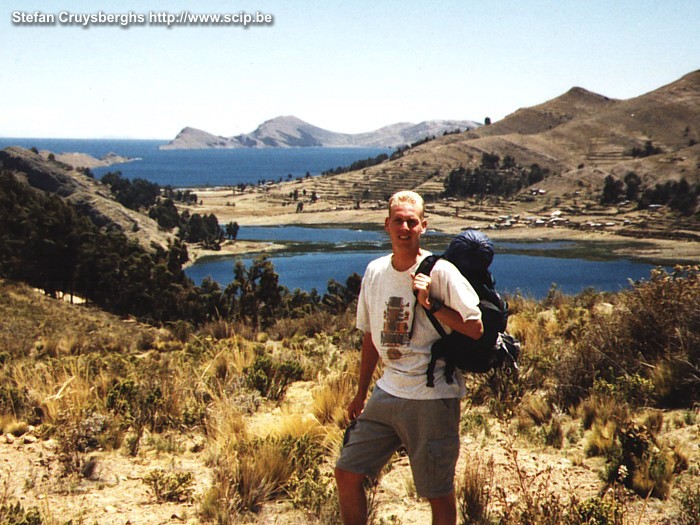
(402,409)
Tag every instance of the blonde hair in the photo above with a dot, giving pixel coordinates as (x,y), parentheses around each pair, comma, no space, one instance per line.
(407,197)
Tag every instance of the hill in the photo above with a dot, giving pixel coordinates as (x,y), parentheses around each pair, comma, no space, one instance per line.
(580,137)
(82,192)
(291,132)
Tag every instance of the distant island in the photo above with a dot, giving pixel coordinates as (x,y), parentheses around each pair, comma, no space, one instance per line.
(83,160)
(291,132)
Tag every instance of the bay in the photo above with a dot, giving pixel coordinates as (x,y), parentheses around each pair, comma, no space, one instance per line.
(204,167)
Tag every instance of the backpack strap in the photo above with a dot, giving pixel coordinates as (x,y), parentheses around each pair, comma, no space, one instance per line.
(436,324)
(425,267)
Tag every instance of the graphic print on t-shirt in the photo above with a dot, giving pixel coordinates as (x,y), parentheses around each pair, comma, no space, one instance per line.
(396,331)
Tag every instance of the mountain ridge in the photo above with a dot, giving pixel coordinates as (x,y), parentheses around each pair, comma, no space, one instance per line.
(581,137)
(292,132)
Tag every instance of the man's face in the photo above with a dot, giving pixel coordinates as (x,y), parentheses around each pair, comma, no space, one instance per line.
(405,226)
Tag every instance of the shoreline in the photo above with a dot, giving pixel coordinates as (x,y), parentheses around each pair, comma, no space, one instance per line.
(230,248)
(259,208)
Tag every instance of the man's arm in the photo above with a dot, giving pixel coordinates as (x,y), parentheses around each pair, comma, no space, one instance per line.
(471,328)
(368,362)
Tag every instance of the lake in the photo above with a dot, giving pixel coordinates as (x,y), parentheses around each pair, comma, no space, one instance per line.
(316,255)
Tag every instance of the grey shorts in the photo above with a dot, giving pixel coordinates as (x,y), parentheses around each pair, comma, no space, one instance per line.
(429,429)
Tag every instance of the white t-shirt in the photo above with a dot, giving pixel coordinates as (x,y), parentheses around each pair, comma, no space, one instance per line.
(386,308)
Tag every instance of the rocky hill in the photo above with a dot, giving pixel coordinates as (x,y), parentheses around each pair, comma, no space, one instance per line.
(581,137)
(84,193)
(291,132)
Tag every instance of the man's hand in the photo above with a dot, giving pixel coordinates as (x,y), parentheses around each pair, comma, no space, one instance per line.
(356,406)
(421,287)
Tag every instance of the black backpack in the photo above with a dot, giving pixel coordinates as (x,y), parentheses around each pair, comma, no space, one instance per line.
(472,253)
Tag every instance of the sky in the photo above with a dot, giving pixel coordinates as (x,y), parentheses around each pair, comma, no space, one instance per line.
(344,65)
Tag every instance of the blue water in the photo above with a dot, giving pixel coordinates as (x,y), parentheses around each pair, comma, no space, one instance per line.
(319,254)
(208,167)
(534,275)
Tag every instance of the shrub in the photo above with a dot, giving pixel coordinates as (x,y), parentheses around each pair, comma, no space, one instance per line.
(170,486)
(10,425)
(331,400)
(218,329)
(538,409)
(79,436)
(270,377)
(654,421)
(648,348)
(649,465)
(554,433)
(603,408)
(138,404)
(601,440)
(13,399)
(15,514)
(474,423)
(597,511)
(689,506)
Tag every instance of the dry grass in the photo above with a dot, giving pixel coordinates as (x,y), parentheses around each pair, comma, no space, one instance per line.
(475,491)
(601,440)
(602,408)
(10,425)
(29,317)
(99,384)
(334,395)
(282,459)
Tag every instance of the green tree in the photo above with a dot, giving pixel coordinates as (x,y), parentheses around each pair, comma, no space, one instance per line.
(232,230)
(135,194)
(490,161)
(535,175)
(634,183)
(268,290)
(612,190)
(339,297)
(254,295)
(46,243)
(684,199)
(508,162)
(165,214)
